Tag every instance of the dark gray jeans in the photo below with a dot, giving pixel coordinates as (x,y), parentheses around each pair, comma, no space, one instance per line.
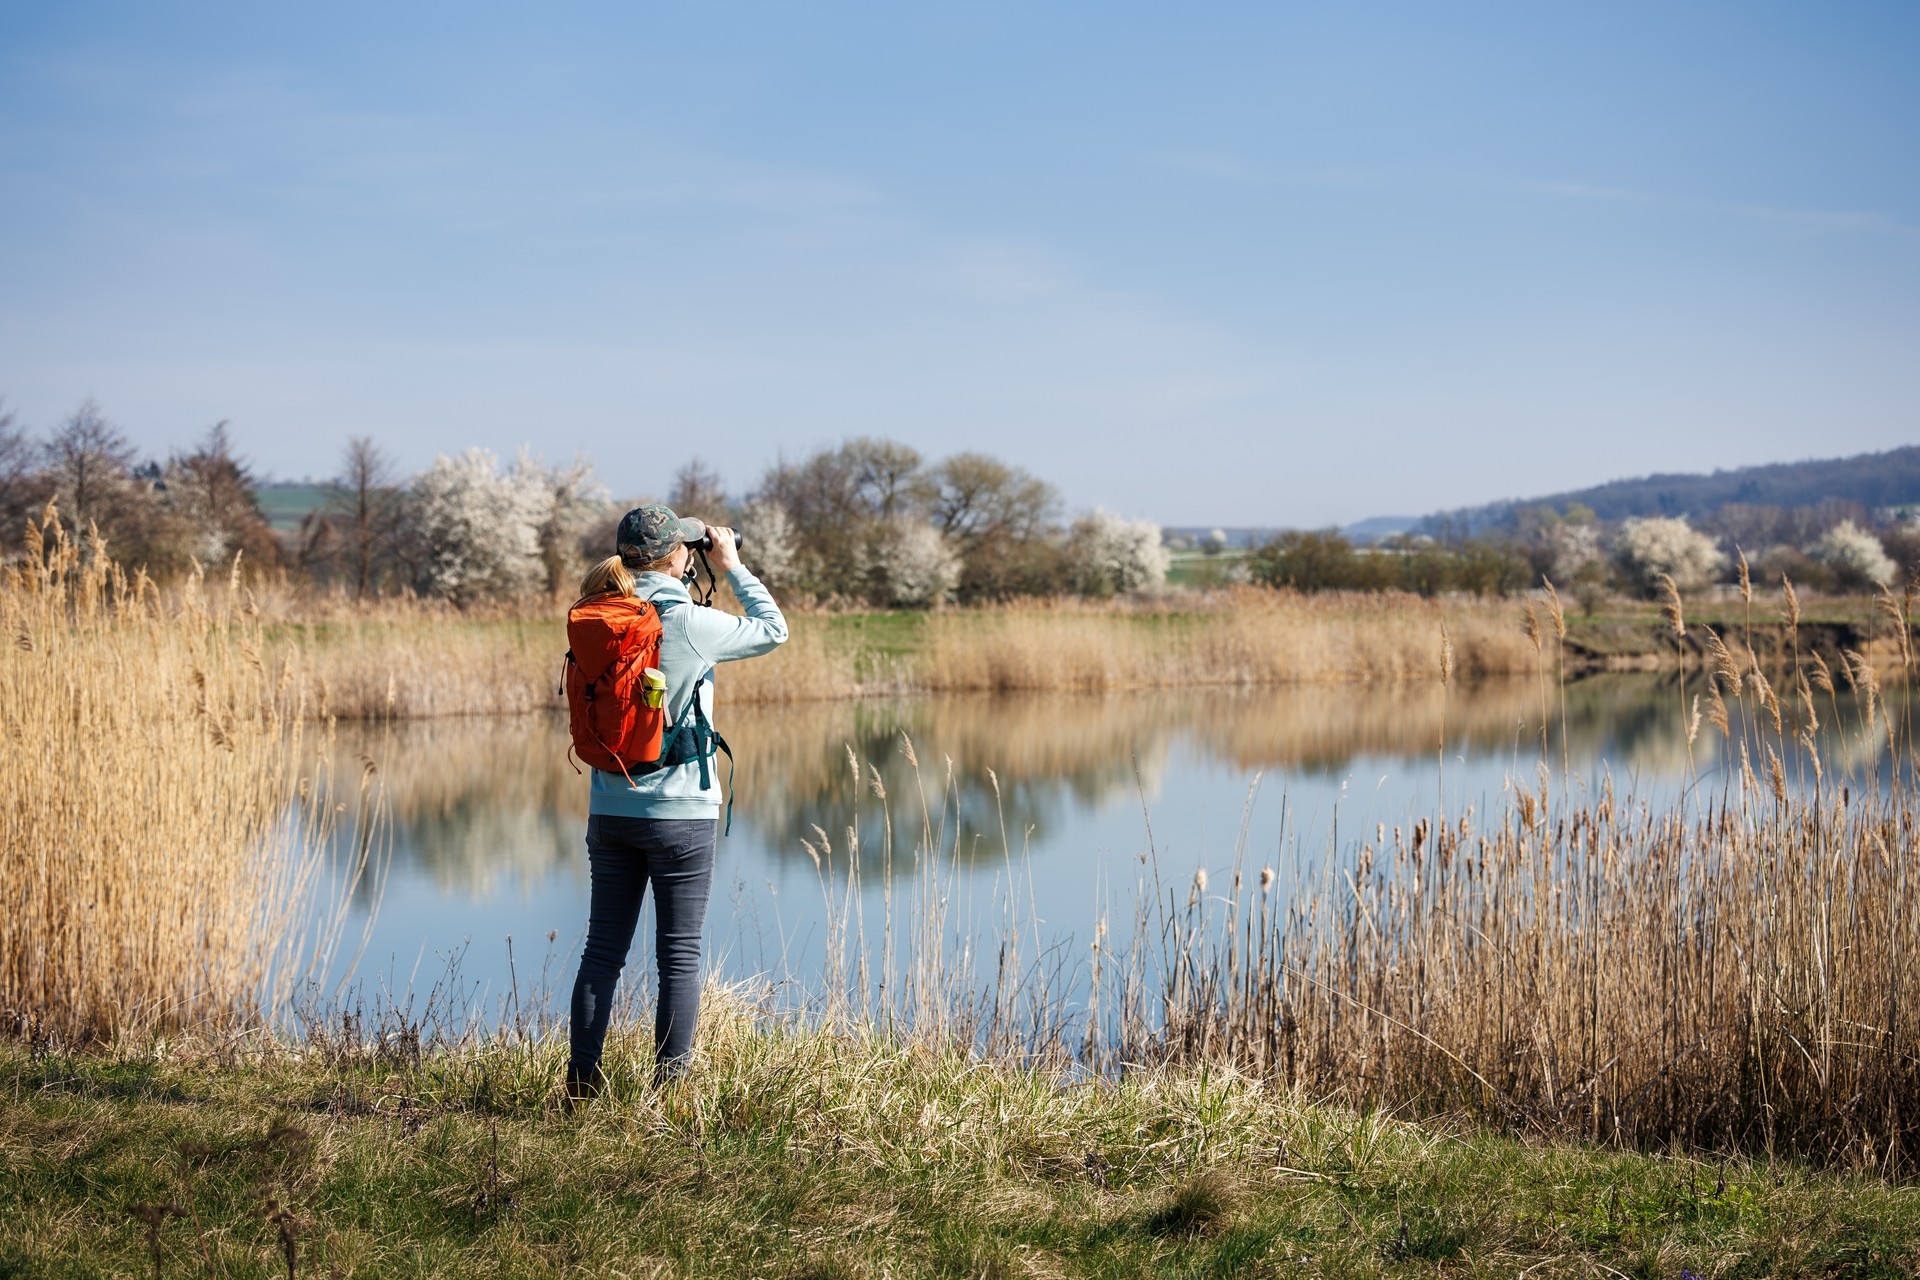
(676,854)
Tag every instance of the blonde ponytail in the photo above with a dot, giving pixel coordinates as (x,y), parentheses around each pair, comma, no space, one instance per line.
(610,577)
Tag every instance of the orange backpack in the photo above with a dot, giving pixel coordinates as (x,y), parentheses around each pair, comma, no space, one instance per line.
(612,640)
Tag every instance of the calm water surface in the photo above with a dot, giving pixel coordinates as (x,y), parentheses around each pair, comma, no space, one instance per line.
(1060,791)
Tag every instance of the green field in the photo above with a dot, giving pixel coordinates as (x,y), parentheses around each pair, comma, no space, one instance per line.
(285,506)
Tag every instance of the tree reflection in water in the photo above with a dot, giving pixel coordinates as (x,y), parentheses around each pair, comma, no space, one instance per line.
(488,806)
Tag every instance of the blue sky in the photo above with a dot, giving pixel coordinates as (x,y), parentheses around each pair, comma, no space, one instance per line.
(1239,264)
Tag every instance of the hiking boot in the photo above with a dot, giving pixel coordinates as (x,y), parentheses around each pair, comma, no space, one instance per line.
(584,1087)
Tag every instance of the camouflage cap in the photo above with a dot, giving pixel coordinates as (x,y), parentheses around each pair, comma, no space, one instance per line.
(649,532)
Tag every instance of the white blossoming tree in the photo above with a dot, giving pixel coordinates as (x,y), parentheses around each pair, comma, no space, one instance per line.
(568,500)
(1111,555)
(909,564)
(481,529)
(769,541)
(1654,545)
(1572,549)
(1854,557)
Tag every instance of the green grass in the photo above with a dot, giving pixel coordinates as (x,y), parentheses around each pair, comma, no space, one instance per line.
(1196,568)
(795,1153)
(879,640)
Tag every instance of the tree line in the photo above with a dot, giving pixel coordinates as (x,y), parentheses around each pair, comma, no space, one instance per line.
(1832,546)
(866,521)
(199,504)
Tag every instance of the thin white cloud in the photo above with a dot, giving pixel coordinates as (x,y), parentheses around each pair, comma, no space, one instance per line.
(1230,167)
(1817,219)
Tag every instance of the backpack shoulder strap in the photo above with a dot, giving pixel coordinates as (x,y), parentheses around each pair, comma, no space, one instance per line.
(706,742)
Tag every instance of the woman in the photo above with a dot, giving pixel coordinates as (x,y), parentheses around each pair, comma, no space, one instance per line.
(659,827)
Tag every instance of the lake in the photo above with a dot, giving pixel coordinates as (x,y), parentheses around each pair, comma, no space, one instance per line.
(1058,796)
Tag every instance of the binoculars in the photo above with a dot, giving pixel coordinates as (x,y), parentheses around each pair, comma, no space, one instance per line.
(705,541)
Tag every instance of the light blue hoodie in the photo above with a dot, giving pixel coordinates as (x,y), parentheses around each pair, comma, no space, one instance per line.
(693,639)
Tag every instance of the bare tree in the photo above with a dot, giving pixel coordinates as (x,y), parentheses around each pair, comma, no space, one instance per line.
(213,492)
(885,471)
(699,492)
(363,509)
(825,518)
(24,488)
(91,465)
(972,496)
(1001,520)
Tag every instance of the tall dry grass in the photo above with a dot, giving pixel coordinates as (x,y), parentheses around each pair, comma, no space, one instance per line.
(162,855)
(409,659)
(1249,636)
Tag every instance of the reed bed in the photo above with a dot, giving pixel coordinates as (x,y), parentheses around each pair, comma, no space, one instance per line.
(1743,978)
(409,659)
(1740,969)
(162,855)
(1249,636)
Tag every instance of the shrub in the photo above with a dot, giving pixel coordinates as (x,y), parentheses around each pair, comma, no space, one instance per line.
(1571,550)
(1902,543)
(1790,562)
(909,564)
(1325,561)
(479,528)
(1308,560)
(1854,557)
(769,541)
(1110,555)
(1659,545)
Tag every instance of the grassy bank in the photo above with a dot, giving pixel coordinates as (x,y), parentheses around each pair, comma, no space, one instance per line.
(795,1153)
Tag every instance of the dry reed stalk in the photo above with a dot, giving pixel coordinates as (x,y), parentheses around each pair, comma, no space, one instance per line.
(1721,664)
(1670,607)
(161,852)
(1896,611)
(1717,710)
(1555,609)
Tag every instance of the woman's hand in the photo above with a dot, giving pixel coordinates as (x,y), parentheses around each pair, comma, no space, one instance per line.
(725,557)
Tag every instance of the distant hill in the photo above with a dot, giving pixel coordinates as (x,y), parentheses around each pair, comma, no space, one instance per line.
(1874,480)
(1369,531)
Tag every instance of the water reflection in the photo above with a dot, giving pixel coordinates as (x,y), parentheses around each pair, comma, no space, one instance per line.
(488,813)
